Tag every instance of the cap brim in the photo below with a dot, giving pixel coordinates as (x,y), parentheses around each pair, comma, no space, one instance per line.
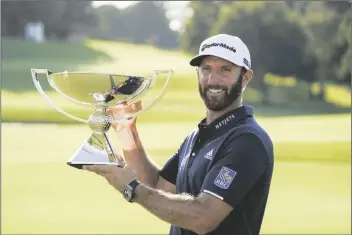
(197,60)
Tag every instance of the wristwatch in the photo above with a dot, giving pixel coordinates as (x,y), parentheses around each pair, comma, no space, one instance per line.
(128,192)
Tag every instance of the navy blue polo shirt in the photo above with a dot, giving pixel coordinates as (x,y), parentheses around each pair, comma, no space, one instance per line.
(230,159)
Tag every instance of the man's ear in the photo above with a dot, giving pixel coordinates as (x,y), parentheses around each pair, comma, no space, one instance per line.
(197,71)
(247,77)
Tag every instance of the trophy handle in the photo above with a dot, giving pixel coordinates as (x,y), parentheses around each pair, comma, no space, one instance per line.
(35,73)
(155,74)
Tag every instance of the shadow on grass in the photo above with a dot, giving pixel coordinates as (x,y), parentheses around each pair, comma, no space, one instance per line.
(298,109)
(18,57)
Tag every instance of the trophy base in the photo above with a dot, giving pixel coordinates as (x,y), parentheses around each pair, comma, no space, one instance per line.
(96,150)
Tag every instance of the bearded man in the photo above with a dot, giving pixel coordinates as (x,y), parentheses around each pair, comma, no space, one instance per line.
(218,181)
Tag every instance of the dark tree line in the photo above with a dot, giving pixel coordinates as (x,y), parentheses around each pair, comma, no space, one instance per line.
(59,17)
(144,22)
(310,40)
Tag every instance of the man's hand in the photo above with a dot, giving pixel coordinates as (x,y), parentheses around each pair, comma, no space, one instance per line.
(122,110)
(126,128)
(116,176)
(132,149)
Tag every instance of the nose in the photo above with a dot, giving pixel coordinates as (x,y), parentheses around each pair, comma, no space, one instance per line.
(212,79)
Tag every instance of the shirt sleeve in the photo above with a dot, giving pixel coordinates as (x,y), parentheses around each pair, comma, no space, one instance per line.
(244,161)
(170,169)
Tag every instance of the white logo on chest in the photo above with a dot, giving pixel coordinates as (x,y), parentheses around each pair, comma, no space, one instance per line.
(209,155)
(225,121)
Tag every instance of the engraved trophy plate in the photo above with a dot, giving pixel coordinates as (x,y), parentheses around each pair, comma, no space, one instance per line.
(101,91)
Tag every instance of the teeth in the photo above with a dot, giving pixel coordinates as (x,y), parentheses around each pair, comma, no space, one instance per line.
(215,90)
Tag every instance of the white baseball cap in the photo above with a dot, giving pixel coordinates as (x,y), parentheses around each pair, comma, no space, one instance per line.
(225,46)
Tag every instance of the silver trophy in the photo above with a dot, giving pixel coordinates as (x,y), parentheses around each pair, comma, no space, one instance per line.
(101,91)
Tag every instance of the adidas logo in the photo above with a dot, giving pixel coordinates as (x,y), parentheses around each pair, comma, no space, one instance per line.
(209,155)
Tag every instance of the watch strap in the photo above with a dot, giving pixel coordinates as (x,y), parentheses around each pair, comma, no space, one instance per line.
(133,184)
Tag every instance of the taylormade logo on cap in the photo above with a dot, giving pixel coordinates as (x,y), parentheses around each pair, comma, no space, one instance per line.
(205,46)
(225,46)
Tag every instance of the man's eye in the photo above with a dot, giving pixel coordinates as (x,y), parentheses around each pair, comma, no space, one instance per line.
(226,70)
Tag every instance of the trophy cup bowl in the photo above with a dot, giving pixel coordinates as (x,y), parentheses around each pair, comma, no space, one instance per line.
(101,91)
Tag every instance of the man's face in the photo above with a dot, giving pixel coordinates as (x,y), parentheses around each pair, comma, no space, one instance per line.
(220,82)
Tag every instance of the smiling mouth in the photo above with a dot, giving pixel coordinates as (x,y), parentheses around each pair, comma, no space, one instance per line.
(215,91)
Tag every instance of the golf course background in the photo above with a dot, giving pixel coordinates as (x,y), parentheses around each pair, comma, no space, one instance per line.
(311,188)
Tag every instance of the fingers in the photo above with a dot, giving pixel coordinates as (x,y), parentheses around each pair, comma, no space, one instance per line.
(108,175)
(116,111)
(106,169)
(99,169)
(139,105)
(125,108)
(136,106)
(117,107)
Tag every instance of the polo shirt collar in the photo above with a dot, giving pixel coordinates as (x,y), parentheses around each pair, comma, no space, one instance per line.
(227,120)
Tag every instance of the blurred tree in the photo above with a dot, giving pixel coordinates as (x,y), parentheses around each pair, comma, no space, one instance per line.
(15,14)
(274,36)
(59,17)
(71,16)
(328,31)
(146,22)
(198,26)
(319,24)
(344,41)
(110,23)
(131,24)
(339,6)
(297,5)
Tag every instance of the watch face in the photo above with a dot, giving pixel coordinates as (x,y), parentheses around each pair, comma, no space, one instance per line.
(127,194)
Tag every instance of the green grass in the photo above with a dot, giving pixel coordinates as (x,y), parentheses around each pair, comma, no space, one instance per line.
(311,187)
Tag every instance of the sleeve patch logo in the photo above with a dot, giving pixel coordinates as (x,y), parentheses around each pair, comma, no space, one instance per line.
(225,177)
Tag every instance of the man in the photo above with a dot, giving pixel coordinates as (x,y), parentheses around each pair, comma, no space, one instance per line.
(218,181)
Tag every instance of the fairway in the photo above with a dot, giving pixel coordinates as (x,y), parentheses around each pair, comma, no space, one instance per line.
(41,194)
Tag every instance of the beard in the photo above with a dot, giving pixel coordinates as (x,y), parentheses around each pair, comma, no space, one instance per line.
(221,101)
